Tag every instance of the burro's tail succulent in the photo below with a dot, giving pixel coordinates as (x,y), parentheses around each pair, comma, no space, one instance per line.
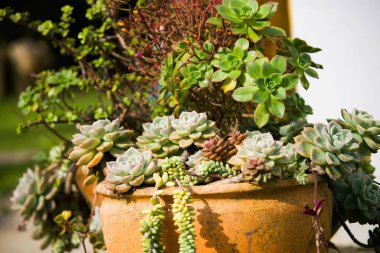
(133,168)
(362,124)
(330,148)
(96,139)
(357,197)
(192,128)
(156,137)
(258,156)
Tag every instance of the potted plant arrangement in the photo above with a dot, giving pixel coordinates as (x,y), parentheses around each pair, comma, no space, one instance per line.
(206,147)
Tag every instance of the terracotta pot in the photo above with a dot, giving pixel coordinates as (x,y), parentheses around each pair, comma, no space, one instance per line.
(226,214)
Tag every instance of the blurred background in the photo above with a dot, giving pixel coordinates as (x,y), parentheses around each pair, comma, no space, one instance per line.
(345,30)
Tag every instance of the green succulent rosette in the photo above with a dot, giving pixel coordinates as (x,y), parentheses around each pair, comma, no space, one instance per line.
(231,63)
(357,197)
(362,124)
(156,137)
(131,169)
(95,140)
(192,128)
(248,18)
(260,147)
(331,148)
(196,75)
(268,89)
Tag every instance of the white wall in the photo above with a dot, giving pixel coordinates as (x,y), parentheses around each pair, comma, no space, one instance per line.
(348,32)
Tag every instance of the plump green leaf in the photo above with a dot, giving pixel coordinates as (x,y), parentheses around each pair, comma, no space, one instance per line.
(219,76)
(244,94)
(267,69)
(289,81)
(305,82)
(274,31)
(254,70)
(228,13)
(279,63)
(260,96)
(276,107)
(242,43)
(215,21)
(311,72)
(228,85)
(261,116)
(253,36)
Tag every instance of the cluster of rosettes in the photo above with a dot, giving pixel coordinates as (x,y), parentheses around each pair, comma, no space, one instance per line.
(167,135)
(260,157)
(151,228)
(95,140)
(184,217)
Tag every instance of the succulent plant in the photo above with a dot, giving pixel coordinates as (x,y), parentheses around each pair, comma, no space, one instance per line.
(206,171)
(247,17)
(96,139)
(358,197)
(362,124)
(374,239)
(231,63)
(221,149)
(156,137)
(34,193)
(296,107)
(269,88)
(192,128)
(299,58)
(173,168)
(196,75)
(184,217)
(259,149)
(132,168)
(151,228)
(294,128)
(332,149)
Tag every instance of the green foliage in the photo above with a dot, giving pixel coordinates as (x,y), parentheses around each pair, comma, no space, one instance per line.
(131,169)
(358,198)
(156,137)
(248,18)
(173,168)
(300,60)
(364,126)
(333,150)
(269,88)
(207,171)
(184,217)
(151,228)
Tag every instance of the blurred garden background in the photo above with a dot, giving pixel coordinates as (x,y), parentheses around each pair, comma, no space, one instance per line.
(349,70)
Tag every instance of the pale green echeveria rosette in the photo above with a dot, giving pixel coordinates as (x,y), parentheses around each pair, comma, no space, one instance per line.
(131,169)
(192,128)
(331,149)
(156,137)
(362,124)
(95,140)
(259,155)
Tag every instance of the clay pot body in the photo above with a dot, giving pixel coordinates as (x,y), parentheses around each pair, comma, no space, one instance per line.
(230,218)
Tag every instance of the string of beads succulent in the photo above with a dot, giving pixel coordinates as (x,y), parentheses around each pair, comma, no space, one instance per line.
(184,217)
(152,226)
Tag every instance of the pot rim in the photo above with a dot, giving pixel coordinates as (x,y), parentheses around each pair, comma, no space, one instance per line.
(216,188)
